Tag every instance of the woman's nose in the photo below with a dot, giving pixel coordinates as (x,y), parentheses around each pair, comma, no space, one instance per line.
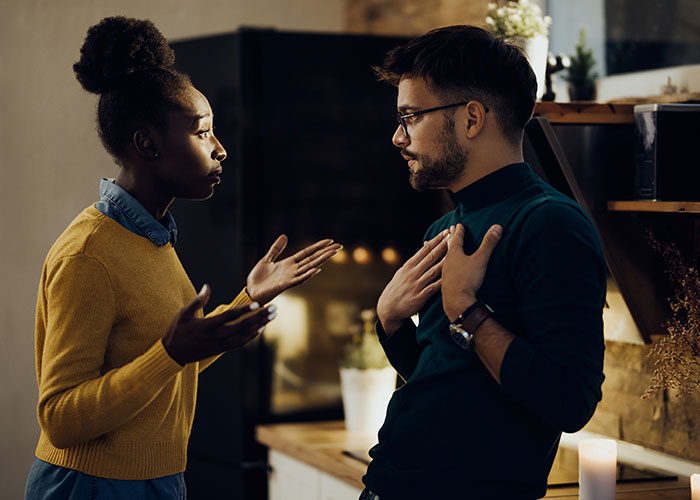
(219,153)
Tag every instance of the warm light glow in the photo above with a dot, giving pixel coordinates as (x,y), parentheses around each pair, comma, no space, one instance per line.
(361,255)
(695,487)
(290,330)
(597,469)
(618,322)
(390,256)
(341,257)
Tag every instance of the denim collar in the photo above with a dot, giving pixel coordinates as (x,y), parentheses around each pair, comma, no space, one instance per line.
(116,203)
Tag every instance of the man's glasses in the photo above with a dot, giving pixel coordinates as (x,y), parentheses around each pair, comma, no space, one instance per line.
(402,118)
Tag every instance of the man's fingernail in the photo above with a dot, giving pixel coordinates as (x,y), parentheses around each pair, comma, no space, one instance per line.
(272,316)
(260,330)
(272,308)
(254,306)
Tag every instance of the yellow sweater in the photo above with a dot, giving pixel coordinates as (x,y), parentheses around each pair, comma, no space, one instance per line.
(112,402)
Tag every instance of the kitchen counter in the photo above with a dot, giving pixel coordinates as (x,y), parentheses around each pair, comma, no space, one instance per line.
(324,446)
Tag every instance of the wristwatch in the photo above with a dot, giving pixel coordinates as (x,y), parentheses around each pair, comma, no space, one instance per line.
(462,329)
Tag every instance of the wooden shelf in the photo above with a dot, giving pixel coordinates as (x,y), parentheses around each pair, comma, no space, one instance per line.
(687,207)
(593,113)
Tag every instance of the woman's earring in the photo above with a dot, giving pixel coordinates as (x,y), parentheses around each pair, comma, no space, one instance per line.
(155,155)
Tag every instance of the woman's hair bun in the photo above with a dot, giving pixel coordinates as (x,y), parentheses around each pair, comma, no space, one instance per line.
(117,48)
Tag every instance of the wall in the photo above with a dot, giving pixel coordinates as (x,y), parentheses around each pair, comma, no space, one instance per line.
(410,17)
(52,160)
(663,422)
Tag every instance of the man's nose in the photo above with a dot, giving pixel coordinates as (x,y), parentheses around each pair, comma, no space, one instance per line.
(400,139)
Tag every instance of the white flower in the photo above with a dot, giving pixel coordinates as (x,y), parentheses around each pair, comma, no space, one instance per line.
(517,19)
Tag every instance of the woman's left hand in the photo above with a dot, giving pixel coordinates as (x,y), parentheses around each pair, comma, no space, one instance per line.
(269,278)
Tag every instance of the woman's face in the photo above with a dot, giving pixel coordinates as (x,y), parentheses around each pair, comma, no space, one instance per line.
(190,156)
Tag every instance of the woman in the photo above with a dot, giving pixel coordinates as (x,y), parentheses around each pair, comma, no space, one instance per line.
(120,337)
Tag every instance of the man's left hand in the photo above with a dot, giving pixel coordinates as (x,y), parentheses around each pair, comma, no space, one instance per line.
(269,278)
(462,275)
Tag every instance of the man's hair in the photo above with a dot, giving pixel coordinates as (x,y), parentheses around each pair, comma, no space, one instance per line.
(467,62)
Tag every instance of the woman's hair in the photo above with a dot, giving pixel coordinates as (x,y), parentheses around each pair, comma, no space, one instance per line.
(467,62)
(129,64)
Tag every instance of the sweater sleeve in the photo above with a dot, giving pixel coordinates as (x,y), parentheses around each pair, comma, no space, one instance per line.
(241,299)
(555,368)
(77,401)
(401,348)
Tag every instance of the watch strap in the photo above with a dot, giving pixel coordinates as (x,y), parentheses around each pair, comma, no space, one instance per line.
(462,329)
(472,321)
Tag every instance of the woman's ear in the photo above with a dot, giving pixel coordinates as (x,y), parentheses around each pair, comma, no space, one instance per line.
(144,144)
(475,115)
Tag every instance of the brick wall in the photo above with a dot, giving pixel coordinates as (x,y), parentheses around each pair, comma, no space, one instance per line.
(411,17)
(664,422)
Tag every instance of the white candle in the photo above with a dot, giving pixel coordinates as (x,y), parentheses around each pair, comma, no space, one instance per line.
(597,468)
(695,486)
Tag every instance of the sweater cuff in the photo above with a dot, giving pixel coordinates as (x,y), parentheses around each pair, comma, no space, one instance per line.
(157,365)
(406,327)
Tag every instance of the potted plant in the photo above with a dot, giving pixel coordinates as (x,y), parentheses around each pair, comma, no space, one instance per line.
(579,75)
(366,379)
(523,25)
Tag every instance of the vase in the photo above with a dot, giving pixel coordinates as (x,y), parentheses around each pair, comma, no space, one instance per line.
(582,91)
(535,49)
(366,394)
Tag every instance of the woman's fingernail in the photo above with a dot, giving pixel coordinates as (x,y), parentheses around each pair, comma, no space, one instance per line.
(260,330)
(254,306)
(272,308)
(272,316)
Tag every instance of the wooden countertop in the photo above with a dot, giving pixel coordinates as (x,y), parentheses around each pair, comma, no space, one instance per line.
(321,445)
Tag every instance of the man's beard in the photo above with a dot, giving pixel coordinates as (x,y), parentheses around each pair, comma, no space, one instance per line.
(439,172)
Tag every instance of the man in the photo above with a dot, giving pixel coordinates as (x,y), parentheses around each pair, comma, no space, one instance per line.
(485,401)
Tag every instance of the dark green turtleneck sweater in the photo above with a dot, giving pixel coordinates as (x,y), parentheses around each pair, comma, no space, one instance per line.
(451,430)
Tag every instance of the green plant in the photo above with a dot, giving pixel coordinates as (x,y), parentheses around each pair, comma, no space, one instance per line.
(365,352)
(582,62)
(517,19)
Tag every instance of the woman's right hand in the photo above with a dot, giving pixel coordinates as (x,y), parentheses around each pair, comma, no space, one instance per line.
(190,338)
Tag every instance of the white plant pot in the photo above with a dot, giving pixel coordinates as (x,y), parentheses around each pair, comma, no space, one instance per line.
(536,51)
(366,394)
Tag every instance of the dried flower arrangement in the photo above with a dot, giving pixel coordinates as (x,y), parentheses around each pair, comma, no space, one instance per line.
(678,354)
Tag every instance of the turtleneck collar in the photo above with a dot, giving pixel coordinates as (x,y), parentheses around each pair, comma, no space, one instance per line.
(495,186)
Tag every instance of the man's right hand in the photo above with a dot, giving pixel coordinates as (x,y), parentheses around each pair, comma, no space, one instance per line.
(413,284)
(192,339)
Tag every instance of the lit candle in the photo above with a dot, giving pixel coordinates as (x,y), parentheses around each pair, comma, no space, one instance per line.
(695,486)
(597,467)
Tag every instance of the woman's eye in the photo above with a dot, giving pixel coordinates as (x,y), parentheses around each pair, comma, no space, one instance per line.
(203,133)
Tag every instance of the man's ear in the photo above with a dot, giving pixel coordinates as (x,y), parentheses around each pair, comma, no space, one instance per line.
(144,144)
(475,115)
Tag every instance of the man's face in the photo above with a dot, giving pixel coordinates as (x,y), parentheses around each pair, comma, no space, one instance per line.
(436,159)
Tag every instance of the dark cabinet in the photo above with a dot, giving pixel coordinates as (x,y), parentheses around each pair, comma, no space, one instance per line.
(307,129)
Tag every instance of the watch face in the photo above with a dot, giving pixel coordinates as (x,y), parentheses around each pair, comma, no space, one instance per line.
(460,337)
